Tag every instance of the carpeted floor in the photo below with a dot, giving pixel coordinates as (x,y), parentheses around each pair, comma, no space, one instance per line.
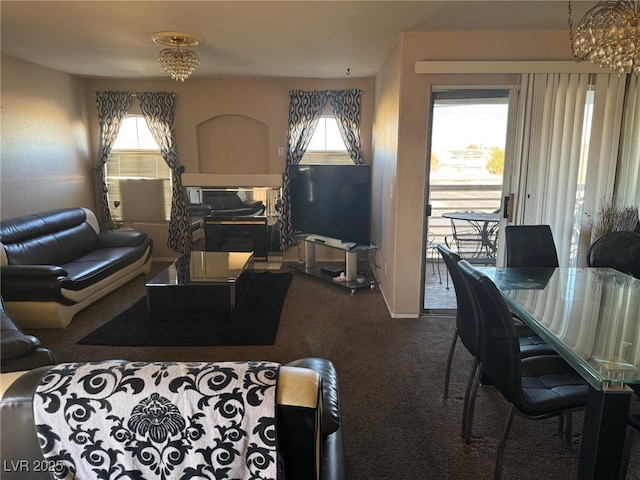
(391,371)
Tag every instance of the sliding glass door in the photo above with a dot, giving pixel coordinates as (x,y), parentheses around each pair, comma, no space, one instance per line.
(571,130)
(470,151)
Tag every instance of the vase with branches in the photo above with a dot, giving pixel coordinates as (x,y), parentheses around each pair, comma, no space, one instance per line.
(613,217)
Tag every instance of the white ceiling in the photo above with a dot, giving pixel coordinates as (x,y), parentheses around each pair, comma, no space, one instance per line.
(311,39)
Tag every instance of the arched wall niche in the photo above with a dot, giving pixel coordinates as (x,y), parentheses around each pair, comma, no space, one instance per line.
(233,144)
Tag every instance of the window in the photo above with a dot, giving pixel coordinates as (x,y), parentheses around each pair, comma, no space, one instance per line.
(326,145)
(135,172)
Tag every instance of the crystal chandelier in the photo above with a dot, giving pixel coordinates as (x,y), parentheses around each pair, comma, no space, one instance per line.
(179,62)
(609,36)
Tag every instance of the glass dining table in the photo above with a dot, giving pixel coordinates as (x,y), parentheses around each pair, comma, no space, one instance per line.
(591,317)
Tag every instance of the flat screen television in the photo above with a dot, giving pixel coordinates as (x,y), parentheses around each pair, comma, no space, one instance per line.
(332,201)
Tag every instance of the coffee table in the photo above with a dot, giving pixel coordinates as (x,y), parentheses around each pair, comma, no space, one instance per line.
(199,285)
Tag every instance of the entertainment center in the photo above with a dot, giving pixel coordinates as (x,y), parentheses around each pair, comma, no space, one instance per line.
(331,207)
(350,276)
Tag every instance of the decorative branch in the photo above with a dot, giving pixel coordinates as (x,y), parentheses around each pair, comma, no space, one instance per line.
(614,218)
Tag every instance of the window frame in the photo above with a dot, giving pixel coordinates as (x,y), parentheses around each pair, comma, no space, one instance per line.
(142,172)
(326,156)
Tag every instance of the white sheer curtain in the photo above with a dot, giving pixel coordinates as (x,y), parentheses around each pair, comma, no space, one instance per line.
(628,176)
(570,131)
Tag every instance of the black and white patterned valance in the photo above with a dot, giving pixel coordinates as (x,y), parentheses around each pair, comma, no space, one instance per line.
(139,420)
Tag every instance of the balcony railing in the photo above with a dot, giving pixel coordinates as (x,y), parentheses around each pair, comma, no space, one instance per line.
(454,197)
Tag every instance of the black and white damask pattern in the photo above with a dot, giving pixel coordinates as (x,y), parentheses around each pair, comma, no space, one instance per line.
(158,109)
(112,110)
(159,420)
(305,109)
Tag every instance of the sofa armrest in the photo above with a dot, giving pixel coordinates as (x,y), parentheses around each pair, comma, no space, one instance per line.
(16,344)
(333,462)
(121,238)
(30,271)
(330,394)
(39,357)
(32,282)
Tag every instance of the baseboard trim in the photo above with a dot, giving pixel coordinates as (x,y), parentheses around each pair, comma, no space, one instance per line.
(395,314)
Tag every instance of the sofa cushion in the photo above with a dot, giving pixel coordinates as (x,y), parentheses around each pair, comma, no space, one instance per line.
(18,229)
(229,204)
(121,238)
(99,264)
(52,238)
(222,200)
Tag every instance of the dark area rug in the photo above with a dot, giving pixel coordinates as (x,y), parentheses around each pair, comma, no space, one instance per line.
(254,323)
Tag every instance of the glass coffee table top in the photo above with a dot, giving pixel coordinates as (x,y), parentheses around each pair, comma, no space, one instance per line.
(204,267)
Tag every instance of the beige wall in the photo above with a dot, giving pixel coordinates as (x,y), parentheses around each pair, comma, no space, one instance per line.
(404,253)
(264,100)
(385,166)
(50,132)
(44,162)
(198,101)
(46,155)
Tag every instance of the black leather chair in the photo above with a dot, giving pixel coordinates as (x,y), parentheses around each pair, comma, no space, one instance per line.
(619,250)
(467,329)
(634,428)
(530,246)
(536,387)
(19,351)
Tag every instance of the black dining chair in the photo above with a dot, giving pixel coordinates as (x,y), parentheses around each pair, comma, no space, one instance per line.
(536,387)
(530,246)
(633,428)
(618,250)
(467,330)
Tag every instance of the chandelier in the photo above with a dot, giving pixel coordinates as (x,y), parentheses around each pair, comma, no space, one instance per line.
(609,36)
(179,62)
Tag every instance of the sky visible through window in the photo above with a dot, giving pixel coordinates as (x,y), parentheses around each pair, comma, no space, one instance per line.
(134,134)
(458,126)
(326,137)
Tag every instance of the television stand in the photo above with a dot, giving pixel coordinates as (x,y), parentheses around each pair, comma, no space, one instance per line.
(331,271)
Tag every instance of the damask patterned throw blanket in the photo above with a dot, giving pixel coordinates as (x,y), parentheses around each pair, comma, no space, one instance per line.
(159,420)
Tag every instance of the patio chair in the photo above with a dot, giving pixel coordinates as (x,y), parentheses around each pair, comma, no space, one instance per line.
(432,253)
(473,241)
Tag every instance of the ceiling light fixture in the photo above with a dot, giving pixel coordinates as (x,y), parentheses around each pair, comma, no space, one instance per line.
(179,62)
(609,36)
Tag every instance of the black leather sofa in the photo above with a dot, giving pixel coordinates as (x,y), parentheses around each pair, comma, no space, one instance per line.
(54,264)
(310,435)
(229,204)
(19,351)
